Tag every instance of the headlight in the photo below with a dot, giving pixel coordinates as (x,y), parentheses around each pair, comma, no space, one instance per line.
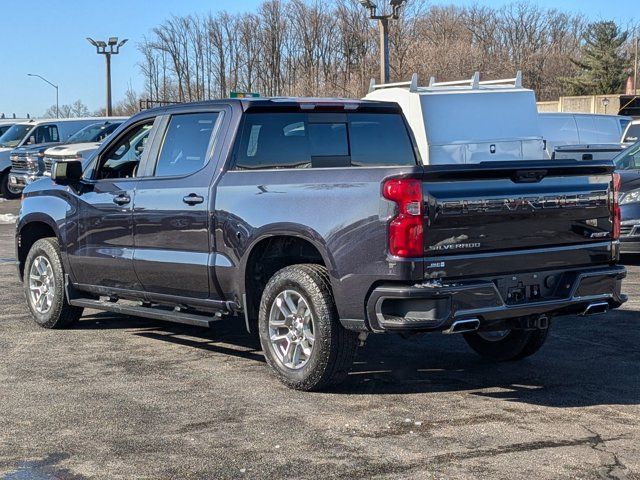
(630,197)
(33,163)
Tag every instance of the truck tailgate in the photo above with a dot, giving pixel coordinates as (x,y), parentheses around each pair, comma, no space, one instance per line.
(535,210)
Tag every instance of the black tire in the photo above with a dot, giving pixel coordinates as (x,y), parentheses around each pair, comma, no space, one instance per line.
(334,347)
(517,345)
(4,187)
(60,314)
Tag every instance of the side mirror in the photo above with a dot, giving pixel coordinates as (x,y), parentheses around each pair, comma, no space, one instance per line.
(67,171)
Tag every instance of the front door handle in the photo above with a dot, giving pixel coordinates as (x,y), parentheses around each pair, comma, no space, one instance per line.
(122,199)
(193,199)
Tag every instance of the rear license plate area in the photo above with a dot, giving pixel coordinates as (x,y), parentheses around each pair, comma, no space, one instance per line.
(525,288)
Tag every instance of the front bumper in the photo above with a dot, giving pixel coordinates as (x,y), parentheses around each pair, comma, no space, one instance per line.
(435,306)
(630,237)
(19,180)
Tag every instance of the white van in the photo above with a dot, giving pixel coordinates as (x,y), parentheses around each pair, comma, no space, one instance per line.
(35,132)
(468,121)
(582,133)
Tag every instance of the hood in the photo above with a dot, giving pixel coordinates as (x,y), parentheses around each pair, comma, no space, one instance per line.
(72,150)
(26,149)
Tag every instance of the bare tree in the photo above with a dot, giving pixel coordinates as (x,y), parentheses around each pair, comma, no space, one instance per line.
(315,47)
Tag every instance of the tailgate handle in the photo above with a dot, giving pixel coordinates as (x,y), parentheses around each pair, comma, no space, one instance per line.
(529,176)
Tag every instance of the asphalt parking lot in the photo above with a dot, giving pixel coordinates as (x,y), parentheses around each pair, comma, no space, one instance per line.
(120,397)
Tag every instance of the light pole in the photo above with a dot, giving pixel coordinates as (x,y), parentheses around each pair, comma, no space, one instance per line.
(605,104)
(383,23)
(54,86)
(635,67)
(111,47)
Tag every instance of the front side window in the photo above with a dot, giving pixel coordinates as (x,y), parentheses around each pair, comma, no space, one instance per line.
(315,140)
(121,160)
(186,143)
(96,132)
(43,134)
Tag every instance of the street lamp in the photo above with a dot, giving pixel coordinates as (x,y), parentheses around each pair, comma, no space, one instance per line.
(111,47)
(605,104)
(54,86)
(383,23)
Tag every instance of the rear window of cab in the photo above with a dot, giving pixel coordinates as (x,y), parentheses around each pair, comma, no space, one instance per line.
(323,140)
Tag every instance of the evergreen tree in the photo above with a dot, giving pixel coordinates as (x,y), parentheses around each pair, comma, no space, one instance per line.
(603,62)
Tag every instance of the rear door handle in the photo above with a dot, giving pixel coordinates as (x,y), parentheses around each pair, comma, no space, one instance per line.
(192,199)
(122,199)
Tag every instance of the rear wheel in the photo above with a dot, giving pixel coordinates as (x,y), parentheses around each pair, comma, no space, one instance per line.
(6,190)
(44,286)
(301,336)
(505,345)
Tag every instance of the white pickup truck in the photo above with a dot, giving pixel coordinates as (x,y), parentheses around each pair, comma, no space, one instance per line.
(468,121)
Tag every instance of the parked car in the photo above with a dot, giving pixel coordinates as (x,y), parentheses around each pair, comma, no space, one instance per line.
(28,139)
(632,132)
(30,163)
(582,136)
(628,166)
(313,222)
(469,121)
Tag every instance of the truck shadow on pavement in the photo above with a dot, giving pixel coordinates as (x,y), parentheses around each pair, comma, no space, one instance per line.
(585,362)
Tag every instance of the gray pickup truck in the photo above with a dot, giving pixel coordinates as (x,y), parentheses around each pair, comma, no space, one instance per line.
(314,222)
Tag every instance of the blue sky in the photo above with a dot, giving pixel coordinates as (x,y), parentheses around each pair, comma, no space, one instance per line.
(48,38)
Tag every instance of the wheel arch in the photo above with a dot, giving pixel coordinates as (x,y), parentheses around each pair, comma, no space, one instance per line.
(272,251)
(30,230)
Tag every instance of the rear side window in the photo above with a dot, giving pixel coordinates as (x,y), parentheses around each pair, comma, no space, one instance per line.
(316,140)
(186,143)
(632,134)
(378,140)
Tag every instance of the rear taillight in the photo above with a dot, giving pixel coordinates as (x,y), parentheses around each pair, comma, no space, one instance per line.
(615,207)
(405,230)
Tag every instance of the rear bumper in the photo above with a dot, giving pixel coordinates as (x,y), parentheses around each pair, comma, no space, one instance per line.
(434,306)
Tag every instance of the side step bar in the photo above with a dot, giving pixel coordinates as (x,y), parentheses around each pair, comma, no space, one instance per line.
(147,312)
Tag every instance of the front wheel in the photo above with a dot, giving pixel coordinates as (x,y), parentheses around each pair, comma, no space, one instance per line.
(301,336)
(44,286)
(507,345)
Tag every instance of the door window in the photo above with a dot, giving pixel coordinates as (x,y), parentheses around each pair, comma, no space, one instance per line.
(44,134)
(122,158)
(186,143)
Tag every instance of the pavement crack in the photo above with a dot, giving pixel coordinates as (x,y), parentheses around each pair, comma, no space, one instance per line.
(614,469)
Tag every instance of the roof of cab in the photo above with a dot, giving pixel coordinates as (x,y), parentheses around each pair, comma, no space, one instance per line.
(287,103)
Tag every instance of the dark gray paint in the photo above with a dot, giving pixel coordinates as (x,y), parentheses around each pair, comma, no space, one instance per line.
(156,247)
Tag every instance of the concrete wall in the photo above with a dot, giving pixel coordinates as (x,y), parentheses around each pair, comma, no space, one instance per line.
(549,106)
(583,104)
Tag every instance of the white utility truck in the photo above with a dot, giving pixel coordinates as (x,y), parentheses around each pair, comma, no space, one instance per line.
(468,121)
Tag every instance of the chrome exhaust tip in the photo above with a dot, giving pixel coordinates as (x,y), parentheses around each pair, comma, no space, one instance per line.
(596,309)
(463,326)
